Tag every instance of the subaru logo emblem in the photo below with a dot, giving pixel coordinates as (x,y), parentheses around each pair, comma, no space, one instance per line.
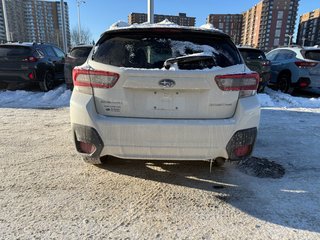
(167,83)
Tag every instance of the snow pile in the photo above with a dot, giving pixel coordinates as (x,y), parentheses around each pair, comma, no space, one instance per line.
(278,99)
(59,97)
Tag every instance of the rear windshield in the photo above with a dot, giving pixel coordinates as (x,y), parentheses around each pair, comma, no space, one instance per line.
(81,52)
(13,51)
(313,55)
(252,54)
(150,50)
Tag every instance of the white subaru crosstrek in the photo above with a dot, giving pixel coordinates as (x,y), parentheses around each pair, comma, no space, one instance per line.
(164,92)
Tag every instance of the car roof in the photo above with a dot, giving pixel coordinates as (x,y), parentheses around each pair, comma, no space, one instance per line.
(26,44)
(248,48)
(121,26)
(83,46)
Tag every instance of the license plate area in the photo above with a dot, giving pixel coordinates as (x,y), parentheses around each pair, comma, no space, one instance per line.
(164,100)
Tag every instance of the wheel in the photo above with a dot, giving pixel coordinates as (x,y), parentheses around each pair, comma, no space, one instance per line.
(284,83)
(92,160)
(48,82)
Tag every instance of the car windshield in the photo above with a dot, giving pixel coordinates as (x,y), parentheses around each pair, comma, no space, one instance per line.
(13,51)
(148,50)
(252,54)
(80,52)
(313,55)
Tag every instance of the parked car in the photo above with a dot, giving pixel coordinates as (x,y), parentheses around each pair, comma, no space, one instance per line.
(256,60)
(164,93)
(295,68)
(27,63)
(77,56)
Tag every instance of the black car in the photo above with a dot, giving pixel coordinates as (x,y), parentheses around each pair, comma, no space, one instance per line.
(27,63)
(77,56)
(256,61)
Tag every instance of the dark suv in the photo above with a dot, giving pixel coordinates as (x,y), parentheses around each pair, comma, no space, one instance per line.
(76,57)
(256,60)
(31,63)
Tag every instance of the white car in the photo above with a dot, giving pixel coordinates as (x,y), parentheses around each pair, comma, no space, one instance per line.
(164,92)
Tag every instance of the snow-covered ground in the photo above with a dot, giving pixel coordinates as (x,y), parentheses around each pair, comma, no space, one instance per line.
(60,97)
(143,200)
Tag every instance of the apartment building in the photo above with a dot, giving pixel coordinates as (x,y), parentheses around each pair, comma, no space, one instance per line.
(181,19)
(231,24)
(36,21)
(2,28)
(269,24)
(309,29)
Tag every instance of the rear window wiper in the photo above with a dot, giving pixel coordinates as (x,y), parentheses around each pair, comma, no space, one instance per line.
(187,58)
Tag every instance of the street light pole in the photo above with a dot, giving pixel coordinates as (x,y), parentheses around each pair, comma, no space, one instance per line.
(290,39)
(151,11)
(8,36)
(64,39)
(79,24)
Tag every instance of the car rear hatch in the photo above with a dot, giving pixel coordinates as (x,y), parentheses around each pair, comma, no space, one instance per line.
(256,60)
(128,78)
(15,58)
(314,58)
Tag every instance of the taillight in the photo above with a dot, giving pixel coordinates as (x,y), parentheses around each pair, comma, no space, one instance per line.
(89,78)
(30,59)
(31,76)
(301,64)
(247,84)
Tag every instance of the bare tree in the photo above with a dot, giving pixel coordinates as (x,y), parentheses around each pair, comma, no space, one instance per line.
(85,36)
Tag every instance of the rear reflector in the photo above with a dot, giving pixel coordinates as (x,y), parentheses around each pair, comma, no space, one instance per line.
(241,144)
(31,76)
(87,148)
(243,151)
(238,82)
(93,78)
(302,64)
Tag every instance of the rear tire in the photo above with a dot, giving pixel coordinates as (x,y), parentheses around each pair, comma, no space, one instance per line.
(48,82)
(284,84)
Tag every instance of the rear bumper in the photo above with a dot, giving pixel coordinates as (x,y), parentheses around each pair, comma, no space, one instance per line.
(17,76)
(162,139)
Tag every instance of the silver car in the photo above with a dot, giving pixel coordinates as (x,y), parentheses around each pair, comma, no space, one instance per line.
(295,68)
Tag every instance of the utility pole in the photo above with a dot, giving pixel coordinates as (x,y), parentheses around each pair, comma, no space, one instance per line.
(79,23)
(64,39)
(151,11)
(6,21)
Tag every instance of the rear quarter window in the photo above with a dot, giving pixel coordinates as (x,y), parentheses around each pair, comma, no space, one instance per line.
(313,55)
(81,52)
(252,54)
(150,50)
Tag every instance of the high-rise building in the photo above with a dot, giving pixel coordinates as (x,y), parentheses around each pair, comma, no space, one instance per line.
(2,30)
(231,24)
(181,19)
(309,29)
(270,24)
(35,21)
